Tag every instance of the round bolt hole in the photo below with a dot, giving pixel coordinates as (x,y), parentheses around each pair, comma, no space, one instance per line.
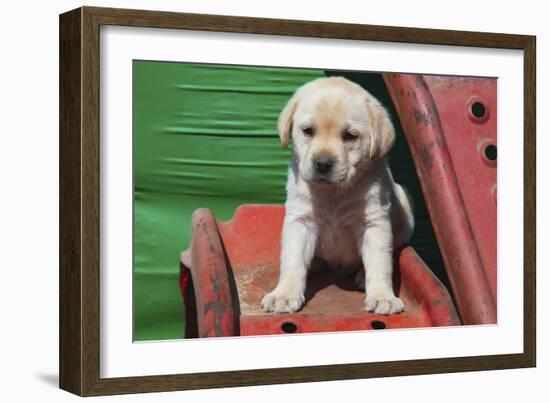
(491,152)
(478,109)
(378,324)
(289,327)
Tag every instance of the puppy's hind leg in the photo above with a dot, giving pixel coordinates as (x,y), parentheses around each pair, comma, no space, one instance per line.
(360,279)
(297,249)
(402,217)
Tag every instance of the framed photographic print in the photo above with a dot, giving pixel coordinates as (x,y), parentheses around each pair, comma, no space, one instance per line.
(250,201)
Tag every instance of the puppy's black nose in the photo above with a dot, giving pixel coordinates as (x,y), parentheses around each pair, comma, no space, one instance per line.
(323,164)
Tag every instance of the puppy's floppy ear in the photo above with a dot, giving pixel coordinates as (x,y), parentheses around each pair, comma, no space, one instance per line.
(382,130)
(286,119)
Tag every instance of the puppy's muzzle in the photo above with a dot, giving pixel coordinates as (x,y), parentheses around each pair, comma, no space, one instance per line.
(323,165)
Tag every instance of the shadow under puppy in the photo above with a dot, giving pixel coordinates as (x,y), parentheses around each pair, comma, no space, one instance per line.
(342,205)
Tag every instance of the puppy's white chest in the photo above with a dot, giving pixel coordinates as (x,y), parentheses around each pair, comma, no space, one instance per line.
(339,228)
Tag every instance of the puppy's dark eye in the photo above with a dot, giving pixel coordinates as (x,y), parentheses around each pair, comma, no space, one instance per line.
(349,136)
(308,131)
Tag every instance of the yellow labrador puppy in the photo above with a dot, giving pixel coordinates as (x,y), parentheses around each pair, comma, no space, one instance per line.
(343,205)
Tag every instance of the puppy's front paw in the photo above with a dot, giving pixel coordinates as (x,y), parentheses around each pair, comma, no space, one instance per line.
(282,301)
(384,304)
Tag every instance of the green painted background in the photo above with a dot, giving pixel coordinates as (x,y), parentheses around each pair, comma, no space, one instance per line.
(205,136)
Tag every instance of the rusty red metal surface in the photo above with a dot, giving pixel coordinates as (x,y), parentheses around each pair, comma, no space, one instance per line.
(231,265)
(450,125)
(213,300)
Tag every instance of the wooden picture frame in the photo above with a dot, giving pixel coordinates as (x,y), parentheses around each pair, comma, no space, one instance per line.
(79,200)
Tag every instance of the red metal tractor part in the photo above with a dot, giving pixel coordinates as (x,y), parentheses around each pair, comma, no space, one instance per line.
(231,265)
(450,126)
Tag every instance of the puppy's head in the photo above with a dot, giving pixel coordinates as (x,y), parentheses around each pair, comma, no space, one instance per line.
(337,129)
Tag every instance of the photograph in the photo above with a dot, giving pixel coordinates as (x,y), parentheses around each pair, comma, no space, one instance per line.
(256,201)
(273,200)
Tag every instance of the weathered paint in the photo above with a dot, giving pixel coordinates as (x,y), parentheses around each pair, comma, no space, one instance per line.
(247,247)
(447,141)
(214,302)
